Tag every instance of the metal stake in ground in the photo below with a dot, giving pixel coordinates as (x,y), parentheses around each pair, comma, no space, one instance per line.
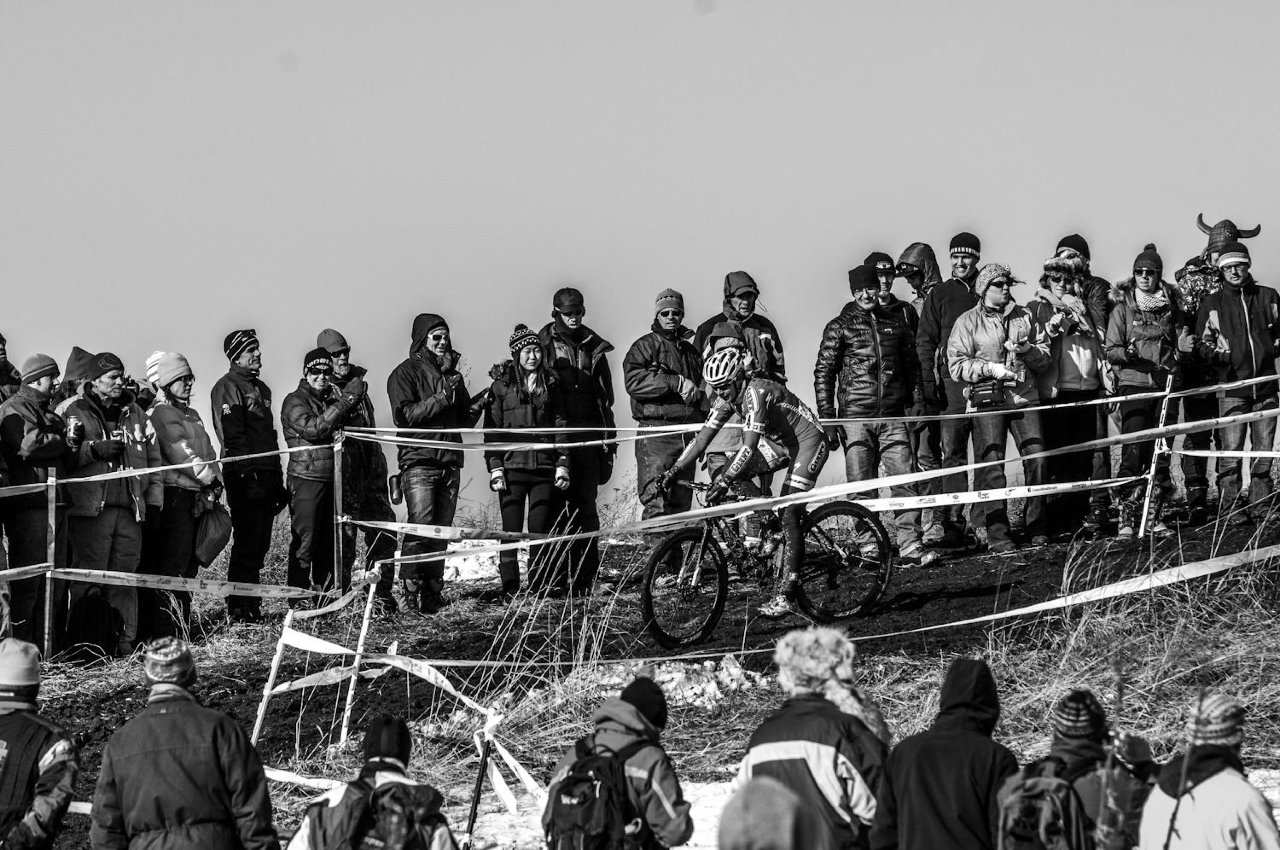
(1161,448)
(50,553)
(355,664)
(468,842)
(271,678)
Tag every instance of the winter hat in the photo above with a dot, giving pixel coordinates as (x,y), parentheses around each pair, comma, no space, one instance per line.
(1079,715)
(153,365)
(763,815)
(170,366)
(1074,242)
(1233,253)
(102,364)
(668,299)
(169,662)
(966,243)
(332,341)
(648,699)
(879,261)
(237,341)
(388,737)
(1217,719)
(520,338)
(736,283)
(19,674)
(318,359)
(38,366)
(724,335)
(1067,264)
(77,364)
(1149,259)
(989,274)
(863,277)
(568,299)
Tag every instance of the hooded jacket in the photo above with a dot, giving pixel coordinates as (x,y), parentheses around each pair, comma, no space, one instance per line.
(421,398)
(242,419)
(1219,809)
(181,436)
(1143,345)
(1079,344)
(32,441)
(1247,320)
(977,341)
(310,418)
(651,373)
(764,344)
(141,452)
(511,405)
(944,304)
(655,789)
(364,465)
(578,359)
(920,255)
(939,788)
(872,356)
(832,762)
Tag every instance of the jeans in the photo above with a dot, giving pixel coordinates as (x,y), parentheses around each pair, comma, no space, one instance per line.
(311,533)
(165,613)
(870,446)
(112,541)
(575,570)
(926,448)
(990,433)
(1135,458)
(654,456)
(1066,427)
(1262,437)
(955,434)
(431,497)
(1195,470)
(28,533)
(532,495)
(252,501)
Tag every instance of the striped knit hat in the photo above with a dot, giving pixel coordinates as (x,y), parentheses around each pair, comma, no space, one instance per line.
(1233,253)
(19,674)
(169,662)
(521,337)
(153,366)
(1079,715)
(237,341)
(1217,719)
(966,243)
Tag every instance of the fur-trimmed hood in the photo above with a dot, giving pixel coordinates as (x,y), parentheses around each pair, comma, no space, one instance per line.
(1122,292)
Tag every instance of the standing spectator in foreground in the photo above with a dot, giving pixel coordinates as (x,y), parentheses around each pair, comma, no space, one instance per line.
(940,786)
(827,743)
(1202,800)
(920,268)
(577,355)
(334,821)
(1074,374)
(364,478)
(867,368)
(1148,337)
(310,415)
(10,377)
(885,271)
(242,418)
(182,438)
(104,527)
(633,721)
(764,814)
(944,304)
(662,373)
(33,442)
(427,392)
(527,394)
(996,350)
(1195,281)
(40,759)
(1237,329)
(180,775)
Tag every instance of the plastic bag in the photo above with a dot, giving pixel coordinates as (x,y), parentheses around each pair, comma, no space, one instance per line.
(213,533)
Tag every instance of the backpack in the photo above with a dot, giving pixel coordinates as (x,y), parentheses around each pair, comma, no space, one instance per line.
(1040,810)
(93,627)
(395,816)
(592,808)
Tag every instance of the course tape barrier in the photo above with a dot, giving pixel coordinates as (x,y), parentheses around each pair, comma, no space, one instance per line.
(16,573)
(1240,454)
(19,489)
(358,583)
(291,778)
(444,532)
(972,496)
(226,588)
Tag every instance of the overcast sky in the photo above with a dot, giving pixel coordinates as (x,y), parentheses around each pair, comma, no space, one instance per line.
(170,171)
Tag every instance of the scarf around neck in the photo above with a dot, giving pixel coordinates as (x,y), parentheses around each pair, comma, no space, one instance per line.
(1151,302)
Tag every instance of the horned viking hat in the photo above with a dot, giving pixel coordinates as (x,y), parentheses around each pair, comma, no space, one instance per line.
(1223,232)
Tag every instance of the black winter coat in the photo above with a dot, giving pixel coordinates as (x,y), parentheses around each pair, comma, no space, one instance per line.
(1247,318)
(872,356)
(421,398)
(583,371)
(180,776)
(652,370)
(241,406)
(32,439)
(761,336)
(364,465)
(310,419)
(945,303)
(512,406)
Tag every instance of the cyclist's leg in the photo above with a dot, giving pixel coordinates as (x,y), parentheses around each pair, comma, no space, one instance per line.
(810,456)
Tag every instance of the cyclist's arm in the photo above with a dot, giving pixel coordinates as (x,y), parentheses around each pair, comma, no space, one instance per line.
(754,416)
(719,415)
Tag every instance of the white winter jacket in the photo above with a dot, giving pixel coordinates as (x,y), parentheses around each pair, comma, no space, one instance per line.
(1224,812)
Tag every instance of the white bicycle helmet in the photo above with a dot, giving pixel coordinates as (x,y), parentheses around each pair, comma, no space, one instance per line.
(723,367)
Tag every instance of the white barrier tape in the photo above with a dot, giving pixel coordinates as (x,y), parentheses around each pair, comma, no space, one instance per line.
(501,789)
(357,589)
(970,414)
(1207,453)
(444,532)
(1219,389)
(453,445)
(530,784)
(17,573)
(292,778)
(1019,492)
(226,588)
(19,489)
(533,429)
(151,470)
(331,676)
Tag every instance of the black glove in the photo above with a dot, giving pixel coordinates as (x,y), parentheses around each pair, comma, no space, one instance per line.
(655,487)
(281,495)
(451,382)
(717,490)
(606,466)
(215,489)
(356,387)
(107,449)
(153,515)
(835,436)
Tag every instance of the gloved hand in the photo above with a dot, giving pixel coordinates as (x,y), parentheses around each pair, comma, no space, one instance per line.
(1056,324)
(606,466)
(215,489)
(153,515)
(356,387)
(718,489)
(688,390)
(109,450)
(452,381)
(75,432)
(498,480)
(655,487)
(1001,372)
(562,478)
(835,436)
(1019,348)
(932,405)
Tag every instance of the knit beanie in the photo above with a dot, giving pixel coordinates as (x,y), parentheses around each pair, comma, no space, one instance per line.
(77,364)
(237,341)
(19,674)
(332,341)
(170,366)
(568,299)
(1074,242)
(989,274)
(153,366)
(1079,715)
(1149,259)
(736,283)
(863,277)
(763,815)
(668,299)
(38,366)
(966,243)
(1218,719)
(648,699)
(522,337)
(319,359)
(879,261)
(169,662)
(388,737)
(1233,253)
(102,364)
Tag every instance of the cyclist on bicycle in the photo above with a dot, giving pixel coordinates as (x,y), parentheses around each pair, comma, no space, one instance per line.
(778,431)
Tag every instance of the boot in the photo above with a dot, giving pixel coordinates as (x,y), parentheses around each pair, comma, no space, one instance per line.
(1155,520)
(1197,506)
(1128,519)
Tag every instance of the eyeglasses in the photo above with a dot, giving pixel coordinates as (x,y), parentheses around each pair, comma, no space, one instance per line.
(1144,272)
(1235,268)
(187,379)
(1056,278)
(1001,284)
(438,336)
(671,314)
(318,371)
(573,314)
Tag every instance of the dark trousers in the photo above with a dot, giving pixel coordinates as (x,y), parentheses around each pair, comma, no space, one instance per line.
(1135,458)
(112,541)
(530,494)
(1195,470)
(990,433)
(1066,427)
(955,435)
(654,456)
(311,537)
(431,496)
(163,613)
(1100,498)
(251,499)
(379,545)
(926,448)
(577,564)
(27,530)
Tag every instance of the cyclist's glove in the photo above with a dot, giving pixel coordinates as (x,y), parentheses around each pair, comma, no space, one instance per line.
(718,489)
(656,487)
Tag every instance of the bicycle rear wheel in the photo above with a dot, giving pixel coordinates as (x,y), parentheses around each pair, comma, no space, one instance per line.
(685,587)
(846,564)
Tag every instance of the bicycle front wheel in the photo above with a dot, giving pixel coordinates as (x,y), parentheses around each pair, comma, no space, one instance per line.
(685,588)
(846,564)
